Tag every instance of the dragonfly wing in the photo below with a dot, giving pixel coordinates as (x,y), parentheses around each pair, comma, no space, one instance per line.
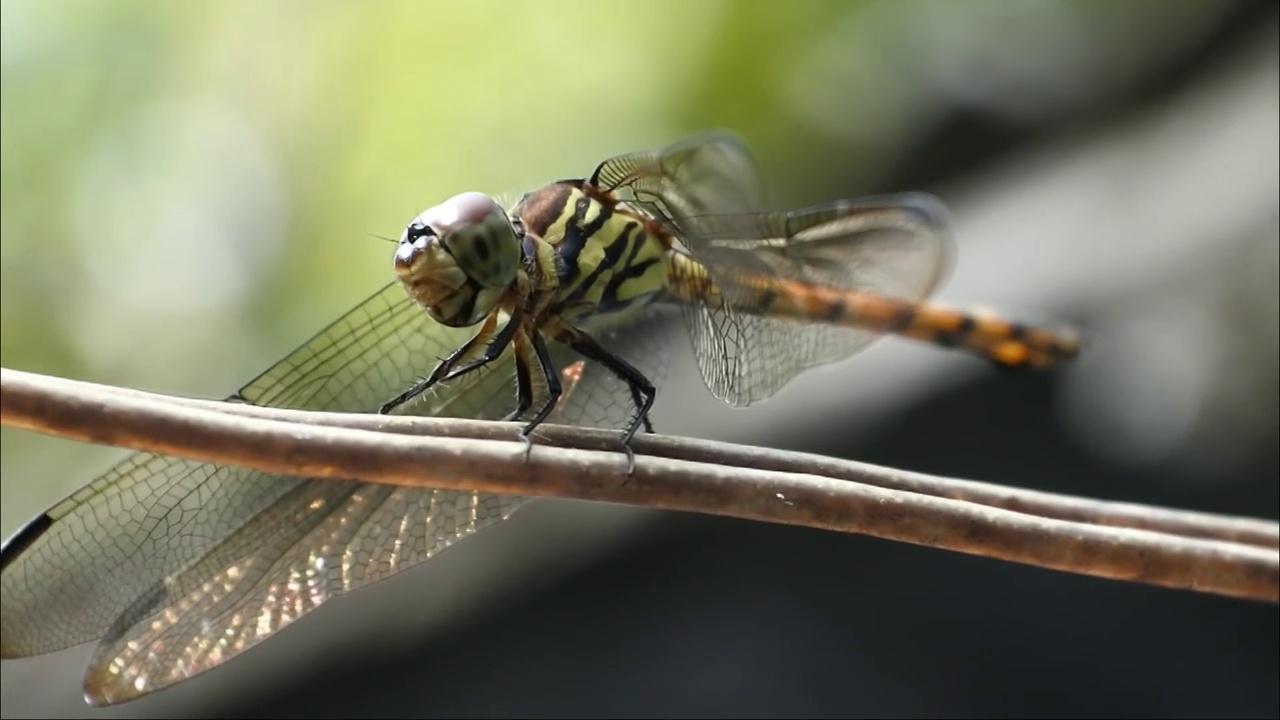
(317,540)
(178,566)
(712,172)
(893,246)
(706,189)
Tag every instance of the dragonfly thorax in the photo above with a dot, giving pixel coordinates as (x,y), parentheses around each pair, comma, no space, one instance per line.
(459,258)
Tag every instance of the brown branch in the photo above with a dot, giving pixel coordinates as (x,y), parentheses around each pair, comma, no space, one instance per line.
(670,474)
(1185,523)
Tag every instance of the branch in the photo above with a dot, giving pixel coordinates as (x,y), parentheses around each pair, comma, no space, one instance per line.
(1235,557)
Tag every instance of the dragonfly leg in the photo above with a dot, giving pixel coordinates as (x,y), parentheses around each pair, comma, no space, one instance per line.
(448,369)
(493,351)
(445,365)
(524,380)
(554,388)
(524,388)
(642,390)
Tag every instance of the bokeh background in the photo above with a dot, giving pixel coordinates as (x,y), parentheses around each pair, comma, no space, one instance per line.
(192,189)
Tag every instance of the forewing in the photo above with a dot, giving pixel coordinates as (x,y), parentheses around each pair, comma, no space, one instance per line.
(708,173)
(179,566)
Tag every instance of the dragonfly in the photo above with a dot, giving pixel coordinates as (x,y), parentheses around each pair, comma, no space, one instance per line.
(174,567)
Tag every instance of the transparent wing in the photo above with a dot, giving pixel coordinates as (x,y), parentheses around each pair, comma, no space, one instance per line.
(708,173)
(893,246)
(706,189)
(179,566)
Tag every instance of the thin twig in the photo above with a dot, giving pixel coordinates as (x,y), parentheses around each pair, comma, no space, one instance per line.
(1250,531)
(585,464)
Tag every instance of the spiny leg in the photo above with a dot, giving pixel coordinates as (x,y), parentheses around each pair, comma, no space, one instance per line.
(554,389)
(445,365)
(494,349)
(524,387)
(524,379)
(642,390)
(446,370)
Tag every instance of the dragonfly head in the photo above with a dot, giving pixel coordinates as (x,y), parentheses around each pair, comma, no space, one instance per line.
(458,258)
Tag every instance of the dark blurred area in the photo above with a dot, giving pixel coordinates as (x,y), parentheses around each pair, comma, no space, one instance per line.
(625,613)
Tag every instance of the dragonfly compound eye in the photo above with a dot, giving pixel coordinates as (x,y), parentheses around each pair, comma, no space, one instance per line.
(458,258)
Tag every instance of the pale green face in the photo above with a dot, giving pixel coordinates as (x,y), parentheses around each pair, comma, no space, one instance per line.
(458,258)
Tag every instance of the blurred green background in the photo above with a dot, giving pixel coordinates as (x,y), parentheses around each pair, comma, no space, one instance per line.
(191,189)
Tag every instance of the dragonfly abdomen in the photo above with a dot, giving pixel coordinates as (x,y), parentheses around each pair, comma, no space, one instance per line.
(1007,343)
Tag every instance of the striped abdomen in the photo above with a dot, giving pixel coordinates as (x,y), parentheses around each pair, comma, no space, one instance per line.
(1007,343)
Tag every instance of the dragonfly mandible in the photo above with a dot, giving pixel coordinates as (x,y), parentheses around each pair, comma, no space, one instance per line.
(175,566)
